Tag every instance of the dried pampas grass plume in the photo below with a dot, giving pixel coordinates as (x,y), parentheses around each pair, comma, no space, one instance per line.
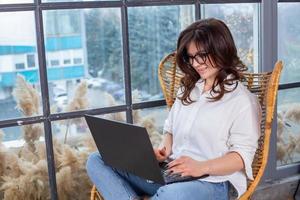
(32,132)
(80,183)
(32,184)
(26,96)
(79,101)
(112,102)
(293,112)
(280,128)
(65,183)
(149,123)
(9,163)
(281,153)
(67,157)
(89,143)
(31,135)
(110,99)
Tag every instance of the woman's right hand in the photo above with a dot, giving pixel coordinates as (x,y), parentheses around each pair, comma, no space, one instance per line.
(161,154)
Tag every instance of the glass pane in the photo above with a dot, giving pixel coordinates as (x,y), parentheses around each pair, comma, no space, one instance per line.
(19,72)
(153,33)
(84,58)
(289,41)
(153,119)
(15,1)
(73,143)
(23,162)
(243,22)
(288,126)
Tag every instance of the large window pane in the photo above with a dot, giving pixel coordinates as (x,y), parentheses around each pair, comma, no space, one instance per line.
(289,41)
(19,72)
(153,120)
(243,22)
(84,58)
(288,135)
(23,163)
(153,33)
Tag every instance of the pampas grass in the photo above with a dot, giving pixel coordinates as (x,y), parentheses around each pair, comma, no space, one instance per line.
(32,132)
(26,96)
(293,113)
(27,99)
(112,102)
(24,171)
(79,102)
(76,161)
(65,183)
(31,184)
(288,141)
(149,123)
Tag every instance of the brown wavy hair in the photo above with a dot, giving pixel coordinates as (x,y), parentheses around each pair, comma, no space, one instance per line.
(214,37)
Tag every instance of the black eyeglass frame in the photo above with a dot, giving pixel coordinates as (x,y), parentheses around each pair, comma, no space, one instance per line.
(200,57)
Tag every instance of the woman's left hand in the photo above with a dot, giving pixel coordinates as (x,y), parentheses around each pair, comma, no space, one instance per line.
(186,166)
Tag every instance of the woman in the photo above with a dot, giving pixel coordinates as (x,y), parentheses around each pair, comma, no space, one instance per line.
(212,128)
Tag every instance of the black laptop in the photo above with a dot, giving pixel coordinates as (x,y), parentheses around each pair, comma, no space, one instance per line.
(127,147)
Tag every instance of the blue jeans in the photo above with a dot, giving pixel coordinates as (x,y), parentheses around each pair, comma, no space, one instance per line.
(115,184)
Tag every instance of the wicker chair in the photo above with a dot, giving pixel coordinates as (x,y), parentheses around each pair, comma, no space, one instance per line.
(95,195)
(264,85)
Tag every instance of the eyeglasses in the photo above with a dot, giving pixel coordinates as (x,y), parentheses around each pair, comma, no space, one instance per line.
(200,57)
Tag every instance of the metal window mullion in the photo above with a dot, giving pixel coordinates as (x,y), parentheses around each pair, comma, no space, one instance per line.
(158,3)
(21,121)
(269,57)
(289,1)
(17,7)
(45,99)
(289,85)
(149,104)
(78,5)
(81,113)
(197,10)
(228,1)
(126,62)
(288,170)
(62,116)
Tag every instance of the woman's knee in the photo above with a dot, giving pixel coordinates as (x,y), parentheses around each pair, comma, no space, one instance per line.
(93,160)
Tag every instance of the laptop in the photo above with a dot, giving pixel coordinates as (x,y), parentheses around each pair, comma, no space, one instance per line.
(127,147)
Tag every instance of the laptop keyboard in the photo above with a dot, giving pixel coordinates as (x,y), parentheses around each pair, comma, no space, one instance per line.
(175,177)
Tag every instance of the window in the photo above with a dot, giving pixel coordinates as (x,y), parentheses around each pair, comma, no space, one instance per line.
(30,61)
(288,121)
(67,61)
(102,76)
(20,66)
(242,20)
(153,33)
(54,62)
(77,61)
